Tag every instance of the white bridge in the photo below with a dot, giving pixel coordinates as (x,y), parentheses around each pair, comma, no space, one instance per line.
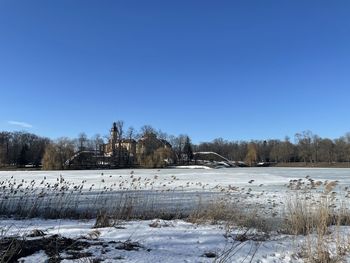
(213,157)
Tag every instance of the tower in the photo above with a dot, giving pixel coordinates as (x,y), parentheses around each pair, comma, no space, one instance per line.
(114,137)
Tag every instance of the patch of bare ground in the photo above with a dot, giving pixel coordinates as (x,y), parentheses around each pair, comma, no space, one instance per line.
(58,248)
(14,248)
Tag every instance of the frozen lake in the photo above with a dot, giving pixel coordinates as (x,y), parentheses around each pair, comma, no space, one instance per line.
(151,192)
(176,190)
(269,176)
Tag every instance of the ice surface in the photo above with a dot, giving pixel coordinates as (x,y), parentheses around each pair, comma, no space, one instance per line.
(269,176)
(173,189)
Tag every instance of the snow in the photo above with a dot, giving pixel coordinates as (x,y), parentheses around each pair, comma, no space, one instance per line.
(175,240)
(193,167)
(171,241)
(270,177)
(37,257)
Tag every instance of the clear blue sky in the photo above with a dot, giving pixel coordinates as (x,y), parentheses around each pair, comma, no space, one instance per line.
(233,69)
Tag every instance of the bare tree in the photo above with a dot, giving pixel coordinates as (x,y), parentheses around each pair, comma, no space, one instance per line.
(147,129)
(251,157)
(82,141)
(97,141)
(304,141)
(57,154)
(327,150)
(5,140)
(130,133)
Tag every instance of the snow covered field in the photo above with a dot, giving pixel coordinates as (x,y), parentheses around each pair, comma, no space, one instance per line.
(149,194)
(157,241)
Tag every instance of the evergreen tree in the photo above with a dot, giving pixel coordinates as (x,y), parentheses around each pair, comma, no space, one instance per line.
(22,159)
(187,150)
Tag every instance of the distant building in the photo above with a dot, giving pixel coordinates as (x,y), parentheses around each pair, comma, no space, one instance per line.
(148,151)
(117,145)
(127,151)
(149,143)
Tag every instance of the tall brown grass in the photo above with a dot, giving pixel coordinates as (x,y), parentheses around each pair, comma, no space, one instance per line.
(318,216)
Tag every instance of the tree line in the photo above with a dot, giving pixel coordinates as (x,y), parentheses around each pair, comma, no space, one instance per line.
(24,149)
(307,148)
(20,149)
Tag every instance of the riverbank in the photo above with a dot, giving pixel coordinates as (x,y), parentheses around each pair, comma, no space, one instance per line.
(314,165)
(283,165)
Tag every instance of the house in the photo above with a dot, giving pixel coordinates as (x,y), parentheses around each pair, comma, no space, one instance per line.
(128,150)
(118,145)
(148,151)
